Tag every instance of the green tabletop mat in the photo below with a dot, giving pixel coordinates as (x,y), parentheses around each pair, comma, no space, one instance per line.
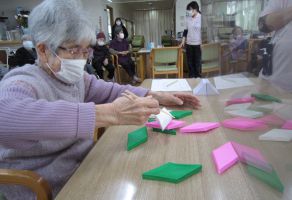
(266,97)
(271,179)
(136,138)
(172,172)
(178,114)
(171,132)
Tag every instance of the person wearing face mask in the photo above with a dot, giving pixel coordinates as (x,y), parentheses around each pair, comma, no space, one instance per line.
(192,40)
(51,108)
(26,54)
(119,24)
(101,58)
(120,46)
(238,43)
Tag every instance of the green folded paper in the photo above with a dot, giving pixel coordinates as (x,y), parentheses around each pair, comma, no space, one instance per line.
(270,178)
(151,119)
(178,114)
(172,172)
(136,138)
(171,132)
(265,97)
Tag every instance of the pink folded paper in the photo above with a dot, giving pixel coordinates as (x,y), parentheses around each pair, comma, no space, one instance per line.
(244,124)
(251,156)
(272,120)
(287,125)
(174,124)
(224,157)
(240,100)
(199,127)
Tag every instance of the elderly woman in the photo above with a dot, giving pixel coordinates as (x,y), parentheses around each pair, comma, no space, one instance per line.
(49,110)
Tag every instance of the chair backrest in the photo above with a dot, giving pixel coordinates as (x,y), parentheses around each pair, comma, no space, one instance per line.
(166,40)
(210,52)
(138,41)
(165,55)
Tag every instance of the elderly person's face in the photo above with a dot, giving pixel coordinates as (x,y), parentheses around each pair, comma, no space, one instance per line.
(70,51)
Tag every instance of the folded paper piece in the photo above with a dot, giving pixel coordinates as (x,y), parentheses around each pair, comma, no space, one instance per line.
(171,132)
(224,157)
(172,172)
(271,179)
(251,156)
(205,88)
(272,120)
(267,108)
(280,135)
(242,106)
(174,124)
(245,113)
(265,97)
(240,100)
(287,125)
(244,124)
(178,114)
(164,118)
(136,138)
(200,127)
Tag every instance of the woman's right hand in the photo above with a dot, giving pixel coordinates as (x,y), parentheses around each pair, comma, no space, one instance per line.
(134,111)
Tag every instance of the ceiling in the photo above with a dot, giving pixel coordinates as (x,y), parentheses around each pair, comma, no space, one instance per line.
(146,4)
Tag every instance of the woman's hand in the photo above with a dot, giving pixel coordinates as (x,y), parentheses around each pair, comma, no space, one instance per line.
(176,99)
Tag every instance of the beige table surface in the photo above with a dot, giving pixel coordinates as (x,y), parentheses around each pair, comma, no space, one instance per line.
(111,172)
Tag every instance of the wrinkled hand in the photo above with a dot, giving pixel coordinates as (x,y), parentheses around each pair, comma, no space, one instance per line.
(135,111)
(176,99)
(105,62)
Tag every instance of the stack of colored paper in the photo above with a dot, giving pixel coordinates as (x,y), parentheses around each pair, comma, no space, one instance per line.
(287,125)
(272,119)
(280,135)
(170,132)
(200,127)
(242,106)
(244,124)
(240,100)
(265,97)
(245,113)
(172,172)
(174,124)
(136,138)
(178,114)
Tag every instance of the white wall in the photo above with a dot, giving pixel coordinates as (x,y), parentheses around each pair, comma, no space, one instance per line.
(180,14)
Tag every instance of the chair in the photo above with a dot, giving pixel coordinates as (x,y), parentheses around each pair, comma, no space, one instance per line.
(119,70)
(211,58)
(166,40)
(168,60)
(138,43)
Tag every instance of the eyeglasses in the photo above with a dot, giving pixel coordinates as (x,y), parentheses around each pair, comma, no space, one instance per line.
(76,51)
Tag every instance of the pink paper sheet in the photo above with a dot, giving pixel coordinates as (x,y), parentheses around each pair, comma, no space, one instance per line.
(244,124)
(240,100)
(174,124)
(272,120)
(287,125)
(200,127)
(224,157)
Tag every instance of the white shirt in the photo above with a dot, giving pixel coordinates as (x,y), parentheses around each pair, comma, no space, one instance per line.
(193,25)
(282,59)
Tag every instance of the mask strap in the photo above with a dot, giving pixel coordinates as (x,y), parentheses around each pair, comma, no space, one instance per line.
(50,68)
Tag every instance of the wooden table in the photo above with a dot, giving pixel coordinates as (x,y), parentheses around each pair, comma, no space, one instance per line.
(111,172)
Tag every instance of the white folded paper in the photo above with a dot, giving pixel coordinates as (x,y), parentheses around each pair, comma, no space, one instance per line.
(245,113)
(164,118)
(205,88)
(280,135)
(241,106)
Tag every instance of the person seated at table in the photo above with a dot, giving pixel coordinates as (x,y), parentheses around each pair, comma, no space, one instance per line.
(101,58)
(121,47)
(238,43)
(25,54)
(50,109)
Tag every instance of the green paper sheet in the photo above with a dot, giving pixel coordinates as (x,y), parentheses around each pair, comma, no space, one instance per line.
(151,119)
(136,138)
(172,172)
(178,114)
(265,97)
(271,179)
(171,132)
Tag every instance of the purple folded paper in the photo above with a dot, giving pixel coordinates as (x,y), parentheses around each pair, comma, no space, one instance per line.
(244,124)
(287,125)
(200,127)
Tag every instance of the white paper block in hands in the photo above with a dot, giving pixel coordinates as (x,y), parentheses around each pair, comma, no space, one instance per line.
(205,88)
(280,135)
(164,118)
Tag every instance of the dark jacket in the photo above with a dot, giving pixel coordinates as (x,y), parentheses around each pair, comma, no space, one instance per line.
(22,57)
(125,31)
(100,53)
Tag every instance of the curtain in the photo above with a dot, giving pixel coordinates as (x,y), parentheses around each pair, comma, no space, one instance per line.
(153,24)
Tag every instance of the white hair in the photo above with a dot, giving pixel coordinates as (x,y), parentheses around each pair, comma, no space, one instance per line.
(55,22)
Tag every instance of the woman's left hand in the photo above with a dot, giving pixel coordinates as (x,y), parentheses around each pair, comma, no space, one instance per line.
(176,99)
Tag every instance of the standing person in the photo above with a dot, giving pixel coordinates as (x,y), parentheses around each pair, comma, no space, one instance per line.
(119,24)
(121,47)
(192,40)
(101,58)
(277,16)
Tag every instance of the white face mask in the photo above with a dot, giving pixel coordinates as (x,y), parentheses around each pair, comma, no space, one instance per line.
(121,35)
(100,43)
(72,70)
(27,44)
(119,23)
